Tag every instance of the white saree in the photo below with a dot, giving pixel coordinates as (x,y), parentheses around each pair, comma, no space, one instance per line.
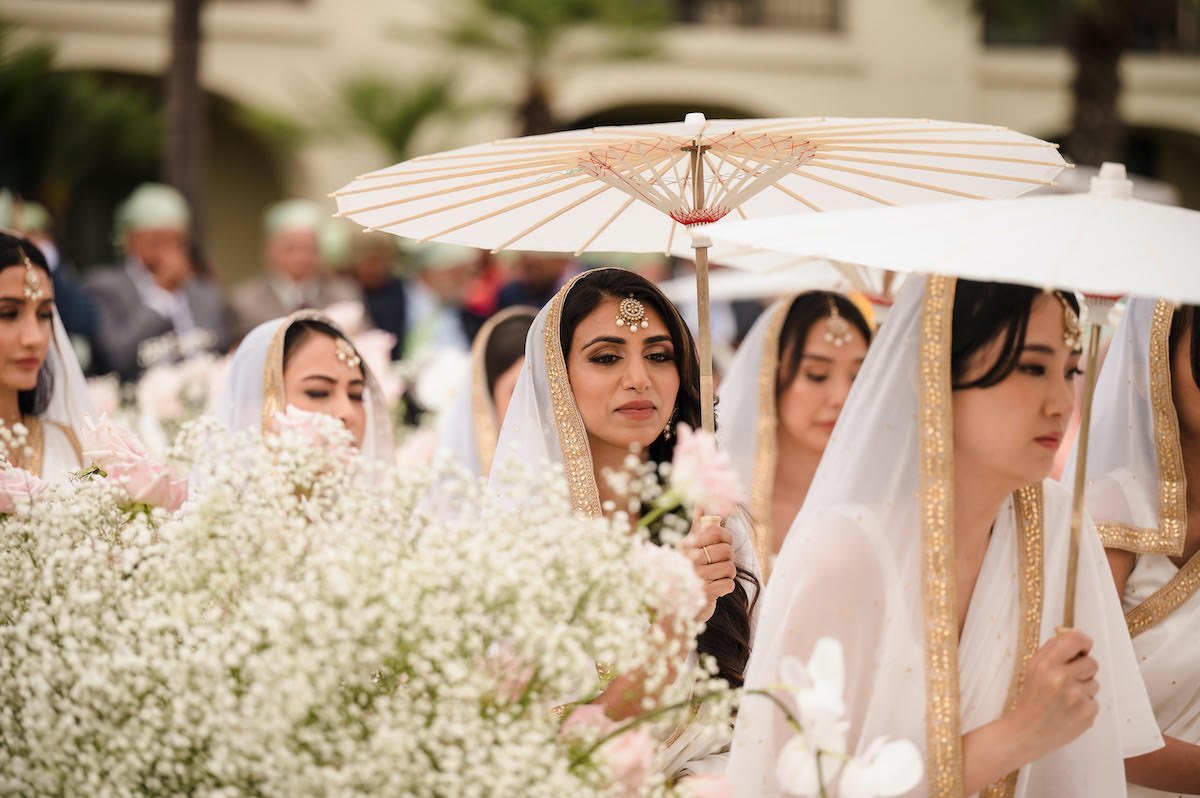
(869,561)
(1138,496)
(543,426)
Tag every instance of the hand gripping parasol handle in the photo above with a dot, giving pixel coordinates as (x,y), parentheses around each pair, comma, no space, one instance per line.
(1081,452)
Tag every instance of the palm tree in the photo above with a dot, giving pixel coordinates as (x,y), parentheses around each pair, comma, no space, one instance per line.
(531,33)
(58,128)
(184,147)
(391,113)
(1096,35)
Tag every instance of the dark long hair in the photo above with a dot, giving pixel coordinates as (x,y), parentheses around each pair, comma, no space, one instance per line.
(13,252)
(302,329)
(505,346)
(1184,323)
(806,310)
(983,313)
(726,637)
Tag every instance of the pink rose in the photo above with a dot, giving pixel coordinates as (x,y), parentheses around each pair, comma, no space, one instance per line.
(629,760)
(306,424)
(150,482)
(703,475)
(418,448)
(18,487)
(125,460)
(104,442)
(706,787)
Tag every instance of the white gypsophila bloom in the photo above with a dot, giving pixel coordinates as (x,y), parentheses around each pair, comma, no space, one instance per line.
(303,628)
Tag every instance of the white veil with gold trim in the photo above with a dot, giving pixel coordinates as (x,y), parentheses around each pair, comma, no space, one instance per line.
(869,561)
(253,390)
(1136,491)
(1138,497)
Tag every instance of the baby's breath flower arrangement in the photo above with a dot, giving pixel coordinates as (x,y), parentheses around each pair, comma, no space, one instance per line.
(301,627)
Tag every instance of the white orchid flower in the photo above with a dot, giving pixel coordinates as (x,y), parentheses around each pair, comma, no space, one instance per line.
(814,757)
(887,768)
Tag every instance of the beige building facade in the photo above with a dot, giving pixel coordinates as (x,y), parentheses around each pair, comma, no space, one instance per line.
(922,58)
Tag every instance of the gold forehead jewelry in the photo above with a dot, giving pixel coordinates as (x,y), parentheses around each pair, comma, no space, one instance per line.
(345,353)
(33,283)
(1072,332)
(837,329)
(632,313)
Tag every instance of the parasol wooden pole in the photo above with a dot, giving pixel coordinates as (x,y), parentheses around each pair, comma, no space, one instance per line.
(1081,452)
(700,244)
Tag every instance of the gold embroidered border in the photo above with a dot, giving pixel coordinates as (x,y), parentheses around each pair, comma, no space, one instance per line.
(35,442)
(766,446)
(483,406)
(1166,599)
(1029,504)
(943,723)
(572,435)
(1171,534)
(1172,484)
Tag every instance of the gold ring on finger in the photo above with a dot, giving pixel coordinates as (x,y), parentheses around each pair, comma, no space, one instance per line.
(706,554)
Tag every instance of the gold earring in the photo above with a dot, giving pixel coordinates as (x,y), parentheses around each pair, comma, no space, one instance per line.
(1072,332)
(631,312)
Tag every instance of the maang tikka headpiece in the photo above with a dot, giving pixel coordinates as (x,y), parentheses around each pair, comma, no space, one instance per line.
(1072,332)
(345,353)
(632,313)
(33,283)
(837,329)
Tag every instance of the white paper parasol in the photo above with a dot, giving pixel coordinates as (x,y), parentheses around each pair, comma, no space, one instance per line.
(630,189)
(1104,243)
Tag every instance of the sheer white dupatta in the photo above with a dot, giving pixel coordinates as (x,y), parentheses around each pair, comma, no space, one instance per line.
(69,407)
(870,561)
(470,429)
(1137,494)
(253,392)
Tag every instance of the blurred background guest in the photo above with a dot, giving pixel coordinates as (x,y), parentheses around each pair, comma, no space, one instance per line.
(292,278)
(157,289)
(436,316)
(537,276)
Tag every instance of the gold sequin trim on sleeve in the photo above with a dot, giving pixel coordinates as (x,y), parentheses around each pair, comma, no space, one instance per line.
(1166,599)
(943,722)
(766,458)
(1029,505)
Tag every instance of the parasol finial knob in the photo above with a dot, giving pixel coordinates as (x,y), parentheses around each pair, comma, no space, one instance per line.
(694,118)
(1111,182)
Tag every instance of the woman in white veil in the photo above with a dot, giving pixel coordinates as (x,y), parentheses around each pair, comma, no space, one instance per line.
(932,547)
(56,408)
(1146,413)
(469,430)
(254,390)
(546,424)
(779,400)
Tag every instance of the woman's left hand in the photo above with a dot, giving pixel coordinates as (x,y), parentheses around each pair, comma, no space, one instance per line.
(710,548)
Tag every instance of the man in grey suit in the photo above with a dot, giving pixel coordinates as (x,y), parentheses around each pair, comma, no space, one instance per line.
(292,279)
(156,290)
